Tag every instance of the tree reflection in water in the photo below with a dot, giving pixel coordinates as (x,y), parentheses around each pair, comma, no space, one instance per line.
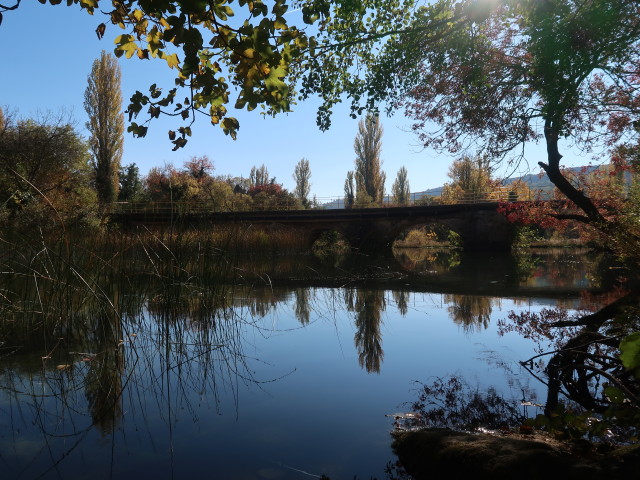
(471,312)
(584,366)
(104,376)
(589,393)
(451,402)
(401,298)
(303,307)
(142,343)
(368,306)
(158,356)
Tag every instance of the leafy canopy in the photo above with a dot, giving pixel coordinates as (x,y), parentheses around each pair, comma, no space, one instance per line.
(494,73)
(243,53)
(498,77)
(45,173)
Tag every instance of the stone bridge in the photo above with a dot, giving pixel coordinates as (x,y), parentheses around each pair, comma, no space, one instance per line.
(479,225)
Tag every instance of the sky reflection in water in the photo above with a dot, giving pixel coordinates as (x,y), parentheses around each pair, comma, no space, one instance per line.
(284,383)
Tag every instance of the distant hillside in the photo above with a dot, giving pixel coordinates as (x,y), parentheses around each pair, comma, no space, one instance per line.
(541,182)
(534,181)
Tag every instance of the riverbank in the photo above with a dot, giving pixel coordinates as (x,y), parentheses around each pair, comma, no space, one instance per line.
(443,453)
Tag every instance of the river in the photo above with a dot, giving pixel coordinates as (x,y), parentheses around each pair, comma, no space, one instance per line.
(276,376)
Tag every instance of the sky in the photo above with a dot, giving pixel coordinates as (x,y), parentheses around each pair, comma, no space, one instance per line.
(47,52)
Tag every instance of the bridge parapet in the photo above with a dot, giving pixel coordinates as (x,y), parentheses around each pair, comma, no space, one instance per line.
(232,204)
(480,225)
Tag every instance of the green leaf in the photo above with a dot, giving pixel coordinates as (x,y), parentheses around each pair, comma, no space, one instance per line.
(155,41)
(630,353)
(137,130)
(230,126)
(179,143)
(280,24)
(614,395)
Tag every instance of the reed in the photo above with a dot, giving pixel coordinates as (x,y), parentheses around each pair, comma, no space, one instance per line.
(89,317)
(48,282)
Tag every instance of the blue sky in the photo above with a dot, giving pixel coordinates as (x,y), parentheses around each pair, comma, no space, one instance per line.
(47,52)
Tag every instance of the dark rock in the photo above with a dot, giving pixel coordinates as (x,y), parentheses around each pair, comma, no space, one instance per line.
(445,454)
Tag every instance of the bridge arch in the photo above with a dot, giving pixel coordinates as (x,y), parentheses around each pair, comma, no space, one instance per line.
(479,229)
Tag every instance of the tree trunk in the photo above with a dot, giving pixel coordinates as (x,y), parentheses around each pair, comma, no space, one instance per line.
(552,170)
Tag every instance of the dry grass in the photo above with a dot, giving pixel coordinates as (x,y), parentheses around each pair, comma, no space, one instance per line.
(424,237)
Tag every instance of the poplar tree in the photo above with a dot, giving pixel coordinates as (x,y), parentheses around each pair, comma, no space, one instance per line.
(349,190)
(103,104)
(260,176)
(301,175)
(367,145)
(400,188)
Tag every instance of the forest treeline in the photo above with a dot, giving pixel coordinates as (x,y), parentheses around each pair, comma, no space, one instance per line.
(53,177)
(50,178)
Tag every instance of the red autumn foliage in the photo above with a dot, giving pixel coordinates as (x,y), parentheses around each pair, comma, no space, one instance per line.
(199,167)
(605,187)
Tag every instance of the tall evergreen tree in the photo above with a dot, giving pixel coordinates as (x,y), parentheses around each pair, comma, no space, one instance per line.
(103,104)
(301,175)
(400,188)
(131,187)
(368,174)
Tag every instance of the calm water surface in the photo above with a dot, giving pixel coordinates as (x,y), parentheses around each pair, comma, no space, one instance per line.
(278,380)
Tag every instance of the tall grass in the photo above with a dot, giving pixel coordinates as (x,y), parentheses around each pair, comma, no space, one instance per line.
(89,319)
(73,285)
(434,236)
